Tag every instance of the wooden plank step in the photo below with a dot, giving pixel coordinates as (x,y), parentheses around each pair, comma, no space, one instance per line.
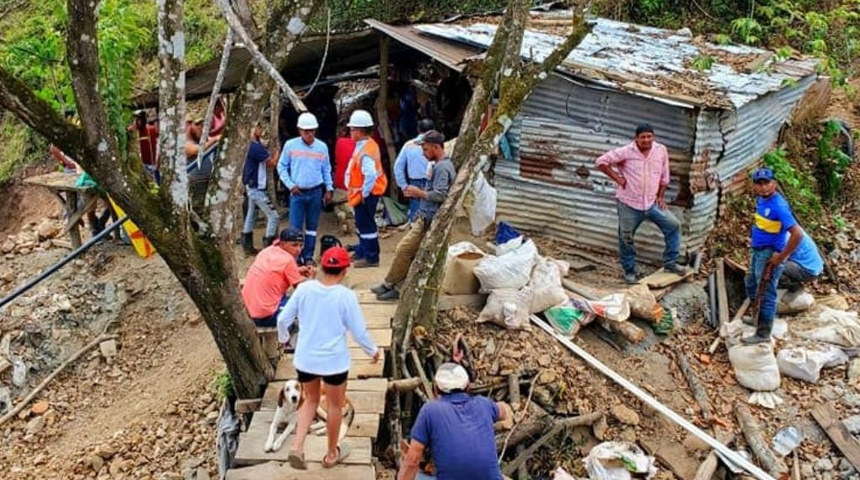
(283,471)
(382,337)
(360,368)
(366,297)
(379,309)
(363,424)
(362,401)
(251,443)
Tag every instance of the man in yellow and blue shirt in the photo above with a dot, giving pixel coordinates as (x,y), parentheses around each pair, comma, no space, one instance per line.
(775,235)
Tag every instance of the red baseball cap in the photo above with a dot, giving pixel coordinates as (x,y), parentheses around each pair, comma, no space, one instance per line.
(336,257)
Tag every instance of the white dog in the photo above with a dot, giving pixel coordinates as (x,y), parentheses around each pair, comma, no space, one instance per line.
(289,401)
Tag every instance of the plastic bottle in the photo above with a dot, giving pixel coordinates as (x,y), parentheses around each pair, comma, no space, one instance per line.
(786,440)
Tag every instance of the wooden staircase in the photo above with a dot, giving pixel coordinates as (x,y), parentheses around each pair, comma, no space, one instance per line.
(366,390)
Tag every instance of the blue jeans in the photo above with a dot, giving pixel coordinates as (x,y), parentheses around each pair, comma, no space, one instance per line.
(368,235)
(414,203)
(629,220)
(259,199)
(305,209)
(271,320)
(758,261)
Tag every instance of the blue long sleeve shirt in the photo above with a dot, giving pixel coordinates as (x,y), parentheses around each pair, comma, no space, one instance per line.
(305,166)
(410,164)
(326,313)
(368,169)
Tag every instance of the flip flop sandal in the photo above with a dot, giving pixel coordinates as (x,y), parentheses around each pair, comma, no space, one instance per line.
(297,460)
(342,453)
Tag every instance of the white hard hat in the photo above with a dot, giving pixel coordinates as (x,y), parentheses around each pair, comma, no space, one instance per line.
(307,121)
(360,118)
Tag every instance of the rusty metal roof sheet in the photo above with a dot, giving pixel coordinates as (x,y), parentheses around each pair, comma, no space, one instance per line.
(646,61)
(449,53)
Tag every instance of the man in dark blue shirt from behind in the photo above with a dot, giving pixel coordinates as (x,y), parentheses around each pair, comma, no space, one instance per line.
(255,180)
(458,428)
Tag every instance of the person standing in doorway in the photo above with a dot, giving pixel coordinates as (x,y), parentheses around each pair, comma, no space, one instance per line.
(255,179)
(410,168)
(148,140)
(305,169)
(641,170)
(366,183)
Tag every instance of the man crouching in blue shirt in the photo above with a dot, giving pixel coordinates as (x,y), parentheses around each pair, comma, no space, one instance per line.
(775,235)
(458,428)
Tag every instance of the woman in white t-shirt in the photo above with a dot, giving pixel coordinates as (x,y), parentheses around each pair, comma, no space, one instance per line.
(327,310)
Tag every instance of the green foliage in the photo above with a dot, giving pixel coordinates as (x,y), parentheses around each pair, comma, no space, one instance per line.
(796,185)
(702,63)
(840,222)
(832,161)
(17,146)
(747,30)
(224,383)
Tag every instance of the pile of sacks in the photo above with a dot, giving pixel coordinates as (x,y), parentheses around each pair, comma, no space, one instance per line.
(815,340)
(519,281)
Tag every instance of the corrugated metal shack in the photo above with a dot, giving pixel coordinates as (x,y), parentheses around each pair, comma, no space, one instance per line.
(716,123)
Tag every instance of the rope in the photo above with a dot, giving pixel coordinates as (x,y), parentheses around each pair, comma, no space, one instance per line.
(325,53)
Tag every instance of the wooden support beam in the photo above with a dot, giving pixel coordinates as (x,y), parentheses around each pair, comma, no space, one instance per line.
(699,392)
(828,418)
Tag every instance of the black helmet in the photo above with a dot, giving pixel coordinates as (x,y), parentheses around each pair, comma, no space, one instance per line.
(425,125)
(328,241)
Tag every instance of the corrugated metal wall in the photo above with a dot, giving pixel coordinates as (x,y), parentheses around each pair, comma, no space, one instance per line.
(552,185)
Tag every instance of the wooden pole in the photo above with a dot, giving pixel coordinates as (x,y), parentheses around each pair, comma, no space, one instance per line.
(381,110)
(514,394)
(699,393)
(722,296)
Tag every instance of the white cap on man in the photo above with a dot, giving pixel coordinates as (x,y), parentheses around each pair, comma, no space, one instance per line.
(451,376)
(307,121)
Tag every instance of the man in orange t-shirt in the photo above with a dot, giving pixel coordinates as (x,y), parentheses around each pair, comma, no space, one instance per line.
(270,277)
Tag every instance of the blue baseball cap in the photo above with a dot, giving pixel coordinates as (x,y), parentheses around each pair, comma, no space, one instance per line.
(291,235)
(763,174)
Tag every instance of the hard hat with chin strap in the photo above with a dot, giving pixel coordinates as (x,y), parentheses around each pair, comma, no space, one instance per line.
(360,119)
(307,121)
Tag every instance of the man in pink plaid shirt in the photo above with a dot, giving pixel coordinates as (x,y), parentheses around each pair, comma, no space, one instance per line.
(641,170)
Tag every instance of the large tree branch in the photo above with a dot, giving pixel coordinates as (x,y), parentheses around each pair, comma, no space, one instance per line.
(420,289)
(171,100)
(216,91)
(296,27)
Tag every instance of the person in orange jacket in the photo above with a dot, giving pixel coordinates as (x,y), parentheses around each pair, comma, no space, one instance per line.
(365,184)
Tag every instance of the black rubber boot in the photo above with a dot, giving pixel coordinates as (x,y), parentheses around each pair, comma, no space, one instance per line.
(762,332)
(248,244)
(268,241)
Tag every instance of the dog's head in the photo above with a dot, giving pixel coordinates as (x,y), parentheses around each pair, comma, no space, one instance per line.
(291,394)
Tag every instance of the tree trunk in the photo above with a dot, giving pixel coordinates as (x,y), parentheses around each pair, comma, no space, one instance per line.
(472,151)
(199,252)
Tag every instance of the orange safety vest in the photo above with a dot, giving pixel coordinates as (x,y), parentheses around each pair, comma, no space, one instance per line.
(356,177)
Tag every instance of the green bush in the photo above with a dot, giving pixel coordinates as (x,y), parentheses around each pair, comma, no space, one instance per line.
(797,186)
(832,162)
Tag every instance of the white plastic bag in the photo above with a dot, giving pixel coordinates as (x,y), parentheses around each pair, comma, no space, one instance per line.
(19,372)
(617,460)
(509,246)
(805,363)
(507,307)
(755,366)
(482,213)
(511,270)
(546,285)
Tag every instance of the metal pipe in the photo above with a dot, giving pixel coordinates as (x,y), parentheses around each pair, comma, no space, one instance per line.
(61,263)
(653,403)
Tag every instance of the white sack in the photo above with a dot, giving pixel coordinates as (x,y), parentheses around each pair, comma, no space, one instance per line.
(507,308)
(460,248)
(482,213)
(794,303)
(546,284)
(511,270)
(834,326)
(755,366)
(611,461)
(805,363)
